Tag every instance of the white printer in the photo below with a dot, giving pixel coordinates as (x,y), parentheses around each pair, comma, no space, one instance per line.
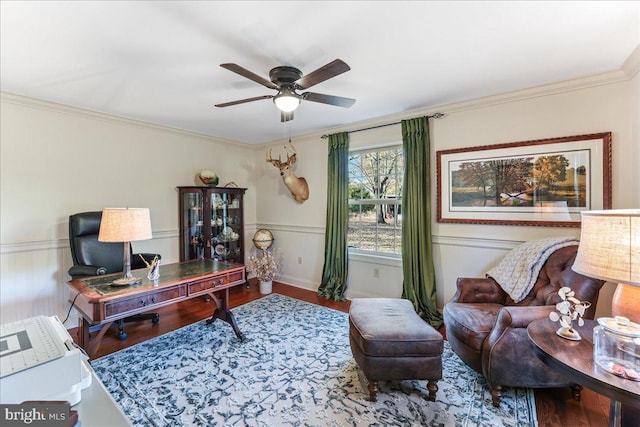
(38,361)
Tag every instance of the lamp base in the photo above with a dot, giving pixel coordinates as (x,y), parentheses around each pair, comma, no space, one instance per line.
(626,300)
(126,282)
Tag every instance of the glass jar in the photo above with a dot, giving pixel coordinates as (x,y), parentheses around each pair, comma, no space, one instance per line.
(616,347)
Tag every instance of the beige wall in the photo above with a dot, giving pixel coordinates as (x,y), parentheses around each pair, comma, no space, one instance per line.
(600,108)
(603,103)
(57,160)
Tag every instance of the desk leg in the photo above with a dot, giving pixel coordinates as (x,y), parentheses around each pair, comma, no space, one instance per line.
(223,313)
(83,333)
(89,344)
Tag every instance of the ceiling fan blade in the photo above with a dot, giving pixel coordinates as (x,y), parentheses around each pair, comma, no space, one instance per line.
(248,74)
(326,72)
(285,117)
(328,99)
(242,101)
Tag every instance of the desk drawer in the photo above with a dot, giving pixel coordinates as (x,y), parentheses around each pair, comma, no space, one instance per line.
(236,277)
(146,302)
(219,282)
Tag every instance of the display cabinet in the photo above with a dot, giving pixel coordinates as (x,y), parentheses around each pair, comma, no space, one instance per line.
(211,223)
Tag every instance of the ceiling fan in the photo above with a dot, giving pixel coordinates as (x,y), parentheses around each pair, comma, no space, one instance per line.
(287,80)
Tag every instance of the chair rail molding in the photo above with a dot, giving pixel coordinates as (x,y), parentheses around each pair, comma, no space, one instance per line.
(475,242)
(304,229)
(44,245)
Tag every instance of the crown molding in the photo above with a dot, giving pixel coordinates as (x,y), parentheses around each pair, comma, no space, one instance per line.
(42,104)
(627,72)
(629,69)
(539,91)
(631,66)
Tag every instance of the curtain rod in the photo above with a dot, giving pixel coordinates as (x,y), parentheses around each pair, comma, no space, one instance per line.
(433,116)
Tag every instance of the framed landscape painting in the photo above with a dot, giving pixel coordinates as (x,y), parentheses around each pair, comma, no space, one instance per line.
(543,182)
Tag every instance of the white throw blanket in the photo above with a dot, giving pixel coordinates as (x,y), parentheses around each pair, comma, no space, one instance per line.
(518,270)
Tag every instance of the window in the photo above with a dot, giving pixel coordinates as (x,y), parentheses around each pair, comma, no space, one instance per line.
(375,192)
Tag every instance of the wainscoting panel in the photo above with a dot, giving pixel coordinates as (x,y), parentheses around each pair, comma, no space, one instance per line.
(32,281)
(33,276)
(372,276)
(464,257)
(382,277)
(303,252)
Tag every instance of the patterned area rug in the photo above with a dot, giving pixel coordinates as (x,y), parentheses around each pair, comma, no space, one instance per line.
(294,368)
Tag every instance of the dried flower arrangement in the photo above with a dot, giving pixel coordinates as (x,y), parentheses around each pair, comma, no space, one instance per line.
(266,266)
(569,309)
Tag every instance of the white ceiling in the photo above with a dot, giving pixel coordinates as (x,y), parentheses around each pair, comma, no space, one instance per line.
(158,61)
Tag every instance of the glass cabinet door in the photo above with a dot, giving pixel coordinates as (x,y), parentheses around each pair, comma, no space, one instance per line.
(192,233)
(226,226)
(211,223)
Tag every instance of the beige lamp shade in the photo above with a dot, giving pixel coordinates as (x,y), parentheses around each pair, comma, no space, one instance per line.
(125,225)
(610,250)
(610,246)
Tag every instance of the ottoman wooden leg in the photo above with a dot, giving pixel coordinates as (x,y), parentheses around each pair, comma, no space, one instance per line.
(373,390)
(432,386)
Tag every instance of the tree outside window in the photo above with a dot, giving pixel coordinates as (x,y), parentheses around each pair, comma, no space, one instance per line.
(375,190)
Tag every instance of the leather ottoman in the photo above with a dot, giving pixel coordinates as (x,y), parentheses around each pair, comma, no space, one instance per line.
(389,341)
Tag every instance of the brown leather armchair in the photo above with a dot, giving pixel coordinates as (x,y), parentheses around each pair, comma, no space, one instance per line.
(488,330)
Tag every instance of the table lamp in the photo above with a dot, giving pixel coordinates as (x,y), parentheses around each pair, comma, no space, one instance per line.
(610,250)
(125,225)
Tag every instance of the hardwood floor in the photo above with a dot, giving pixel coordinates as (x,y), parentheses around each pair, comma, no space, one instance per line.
(555,408)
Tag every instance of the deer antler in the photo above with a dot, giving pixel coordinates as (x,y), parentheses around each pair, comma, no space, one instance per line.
(291,159)
(274,162)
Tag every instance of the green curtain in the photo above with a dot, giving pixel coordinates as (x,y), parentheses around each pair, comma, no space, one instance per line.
(334,272)
(419,284)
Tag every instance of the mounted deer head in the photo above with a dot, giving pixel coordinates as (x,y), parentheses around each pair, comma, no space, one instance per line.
(298,186)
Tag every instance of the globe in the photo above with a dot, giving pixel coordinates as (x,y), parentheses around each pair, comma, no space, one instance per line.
(263,239)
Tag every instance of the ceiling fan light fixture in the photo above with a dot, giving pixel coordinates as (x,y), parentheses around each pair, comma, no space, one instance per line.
(287,100)
(286,80)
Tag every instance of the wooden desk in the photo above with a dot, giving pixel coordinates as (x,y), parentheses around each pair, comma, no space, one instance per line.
(574,360)
(99,303)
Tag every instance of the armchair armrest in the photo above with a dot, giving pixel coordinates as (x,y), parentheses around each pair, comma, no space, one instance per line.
(520,317)
(507,355)
(478,290)
(86,270)
(511,326)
